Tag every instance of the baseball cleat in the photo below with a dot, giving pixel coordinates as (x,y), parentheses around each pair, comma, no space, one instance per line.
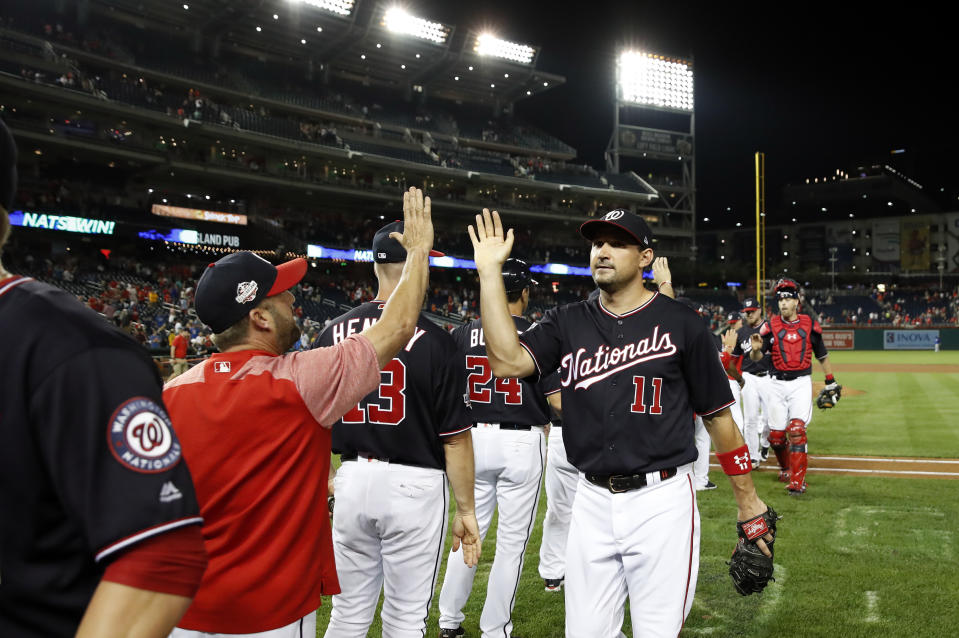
(795,489)
(455,632)
(553,584)
(764,453)
(708,486)
(784,476)
(755,463)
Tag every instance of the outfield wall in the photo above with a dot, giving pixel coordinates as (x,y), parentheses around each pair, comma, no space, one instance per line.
(891,339)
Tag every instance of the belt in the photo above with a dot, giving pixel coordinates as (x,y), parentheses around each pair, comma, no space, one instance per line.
(788,376)
(505,426)
(370,458)
(618,483)
(757,374)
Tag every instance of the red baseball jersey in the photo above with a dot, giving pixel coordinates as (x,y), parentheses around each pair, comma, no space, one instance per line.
(255,431)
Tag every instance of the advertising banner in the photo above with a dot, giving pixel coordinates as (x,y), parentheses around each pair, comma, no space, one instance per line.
(909,339)
(199,215)
(952,242)
(914,245)
(839,339)
(885,240)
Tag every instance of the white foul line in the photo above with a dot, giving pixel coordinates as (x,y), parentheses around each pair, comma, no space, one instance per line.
(872,598)
(862,471)
(871,459)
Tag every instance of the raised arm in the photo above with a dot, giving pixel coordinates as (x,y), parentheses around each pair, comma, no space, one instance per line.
(662,277)
(396,324)
(491,247)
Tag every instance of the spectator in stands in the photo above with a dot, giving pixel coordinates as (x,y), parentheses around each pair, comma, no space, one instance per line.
(178,352)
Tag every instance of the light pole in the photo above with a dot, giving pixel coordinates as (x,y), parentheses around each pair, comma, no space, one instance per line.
(832,261)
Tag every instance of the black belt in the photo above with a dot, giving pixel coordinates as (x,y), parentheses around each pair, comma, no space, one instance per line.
(757,374)
(789,376)
(511,426)
(618,483)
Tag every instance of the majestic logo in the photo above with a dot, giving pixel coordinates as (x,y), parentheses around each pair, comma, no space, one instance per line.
(141,437)
(584,370)
(613,214)
(169,493)
(246,291)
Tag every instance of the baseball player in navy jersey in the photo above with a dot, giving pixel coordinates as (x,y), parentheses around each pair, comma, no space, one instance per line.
(509,448)
(634,366)
(99,523)
(756,377)
(389,523)
(791,338)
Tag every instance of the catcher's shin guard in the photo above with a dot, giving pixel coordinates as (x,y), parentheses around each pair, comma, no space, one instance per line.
(798,460)
(777,441)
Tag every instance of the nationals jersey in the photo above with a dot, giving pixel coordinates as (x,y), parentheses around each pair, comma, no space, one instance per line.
(743,348)
(492,400)
(630,382)
(419,400)
(89,465)
(792,344)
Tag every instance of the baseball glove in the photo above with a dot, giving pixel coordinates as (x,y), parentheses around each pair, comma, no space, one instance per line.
(829,396)
(750,569)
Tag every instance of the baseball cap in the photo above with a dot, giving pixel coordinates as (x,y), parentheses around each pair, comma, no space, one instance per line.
(8,167)
(632,223)
(387,250)
(750,303)
(733,316)
(233,285)
(516,275)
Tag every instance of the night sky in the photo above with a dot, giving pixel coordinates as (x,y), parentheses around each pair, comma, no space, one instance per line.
(826,87)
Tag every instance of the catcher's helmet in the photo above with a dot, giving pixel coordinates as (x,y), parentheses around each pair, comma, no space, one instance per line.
(516,275)
(784,283)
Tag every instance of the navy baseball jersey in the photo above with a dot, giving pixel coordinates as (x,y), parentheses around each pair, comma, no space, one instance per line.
(420,398)
(631,382)
(492,400)
(743,348)
(89,464)
(792,344)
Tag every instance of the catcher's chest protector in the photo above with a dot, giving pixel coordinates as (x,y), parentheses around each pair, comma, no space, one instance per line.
(792,347)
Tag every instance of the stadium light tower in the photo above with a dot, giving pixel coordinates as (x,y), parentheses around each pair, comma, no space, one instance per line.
(338,7)
(398,20)
(489,44)
(653,132)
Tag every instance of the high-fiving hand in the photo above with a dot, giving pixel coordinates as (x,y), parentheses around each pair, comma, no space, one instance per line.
(417,222)
(491,246)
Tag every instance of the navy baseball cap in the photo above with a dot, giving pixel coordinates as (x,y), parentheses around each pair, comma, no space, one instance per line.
(8,167)
(621,219)
(232,286)
(516,275)
(387,250)
(750,303)
(733,317)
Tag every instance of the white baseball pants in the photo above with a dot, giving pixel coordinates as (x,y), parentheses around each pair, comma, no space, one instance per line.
(643,544)
(790,400)
(561,481)
(701,464)
(305,627)
(756,408)
(389,529)
(509,469)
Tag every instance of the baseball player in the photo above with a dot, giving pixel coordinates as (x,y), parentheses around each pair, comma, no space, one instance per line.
(791,338)
(634,366)
(392,503)
(99,523)
(561,478)
(509,447)
(254,420)
(756,377)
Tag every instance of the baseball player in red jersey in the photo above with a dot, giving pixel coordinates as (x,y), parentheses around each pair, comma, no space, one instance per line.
(634,366)
(398,447)
(99,524)
(255,419)
(792,338)
(509,417)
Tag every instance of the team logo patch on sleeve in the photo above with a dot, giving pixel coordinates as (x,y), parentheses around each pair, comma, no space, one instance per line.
(141,437)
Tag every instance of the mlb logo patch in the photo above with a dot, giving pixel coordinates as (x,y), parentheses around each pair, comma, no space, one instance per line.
(221,366)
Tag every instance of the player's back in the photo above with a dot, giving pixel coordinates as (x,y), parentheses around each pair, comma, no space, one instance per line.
(420,395)
(492,400)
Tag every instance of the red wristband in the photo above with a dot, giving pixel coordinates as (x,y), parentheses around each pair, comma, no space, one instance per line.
(736,461)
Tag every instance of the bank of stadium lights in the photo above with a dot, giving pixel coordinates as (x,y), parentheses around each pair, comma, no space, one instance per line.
(654,80)
(397,20)
(339,7)
(488,44)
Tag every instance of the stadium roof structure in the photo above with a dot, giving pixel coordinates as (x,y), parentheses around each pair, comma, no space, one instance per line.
(366,41)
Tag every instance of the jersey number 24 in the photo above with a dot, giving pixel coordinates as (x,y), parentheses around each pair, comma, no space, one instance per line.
(477,383)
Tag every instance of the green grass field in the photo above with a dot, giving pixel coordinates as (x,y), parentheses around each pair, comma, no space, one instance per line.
(857,556)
